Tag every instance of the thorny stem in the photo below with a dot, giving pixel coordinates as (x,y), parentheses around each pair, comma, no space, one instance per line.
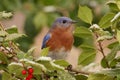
(101,50)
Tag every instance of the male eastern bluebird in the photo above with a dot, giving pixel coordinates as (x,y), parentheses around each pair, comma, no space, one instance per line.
(59,38)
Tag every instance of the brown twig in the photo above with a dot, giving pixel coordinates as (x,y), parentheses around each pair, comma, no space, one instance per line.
(102,50)
(70,69)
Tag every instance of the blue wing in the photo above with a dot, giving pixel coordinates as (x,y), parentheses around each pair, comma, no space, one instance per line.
(46,38)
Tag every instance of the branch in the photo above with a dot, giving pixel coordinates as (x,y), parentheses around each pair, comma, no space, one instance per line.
(102,50)
(69,68)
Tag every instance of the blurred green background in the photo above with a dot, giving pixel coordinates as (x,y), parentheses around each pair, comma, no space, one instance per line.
(41,13)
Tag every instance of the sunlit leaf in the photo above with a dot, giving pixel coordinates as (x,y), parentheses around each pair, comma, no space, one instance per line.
(16,69)
(61,63)
(105,21)
(44,52)
(85,14)
(37,67)
(13,36)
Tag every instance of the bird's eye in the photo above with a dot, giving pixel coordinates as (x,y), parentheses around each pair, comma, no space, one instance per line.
(64,21)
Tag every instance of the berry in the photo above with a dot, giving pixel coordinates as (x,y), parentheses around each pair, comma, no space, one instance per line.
(30,76)
(27,78)
(30,70)
(24,72)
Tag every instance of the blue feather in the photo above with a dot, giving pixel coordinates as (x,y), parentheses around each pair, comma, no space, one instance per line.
(46,38)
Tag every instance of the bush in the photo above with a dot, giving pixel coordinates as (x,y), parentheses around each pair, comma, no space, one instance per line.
(16,64)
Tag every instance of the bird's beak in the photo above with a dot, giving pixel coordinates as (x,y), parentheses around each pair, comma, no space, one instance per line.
(73,22)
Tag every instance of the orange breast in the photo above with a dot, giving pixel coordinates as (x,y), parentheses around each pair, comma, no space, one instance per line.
(61,37)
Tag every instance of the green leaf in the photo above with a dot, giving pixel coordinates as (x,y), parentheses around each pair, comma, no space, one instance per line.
(113,63)
(44,52)
(118,36)
(113,53)
(104,63)
(12,29)
(100,77)
(61,63)
(13,36)
(111,72)
(81,77)
(5,14)
(87,45)
(85,14)
(3,58)
(112,45)
(38,68)
(113,6)
(118,3)
(16,69)
(105,21)
(62,75)
(49,64)
(6,76)
(86,57)
(3,33)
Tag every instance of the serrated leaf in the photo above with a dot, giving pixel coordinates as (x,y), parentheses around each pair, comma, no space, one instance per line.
(105,21)
(16,69)
(49,63)
(6,76)
(118,36)
(44,52)
(3,33)
(85,14)
(38,68)
(100,77)
(61,63)
(13,36)
(12,29)
(3,58)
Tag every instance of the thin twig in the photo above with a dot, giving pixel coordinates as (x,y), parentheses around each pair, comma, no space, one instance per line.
(102,50)
(70,69)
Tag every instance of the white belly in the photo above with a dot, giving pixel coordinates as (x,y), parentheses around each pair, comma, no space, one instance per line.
(60,54)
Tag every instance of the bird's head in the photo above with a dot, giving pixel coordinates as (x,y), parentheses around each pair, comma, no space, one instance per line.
(63,22)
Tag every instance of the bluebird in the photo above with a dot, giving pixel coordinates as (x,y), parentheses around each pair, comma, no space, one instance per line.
(59,38)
